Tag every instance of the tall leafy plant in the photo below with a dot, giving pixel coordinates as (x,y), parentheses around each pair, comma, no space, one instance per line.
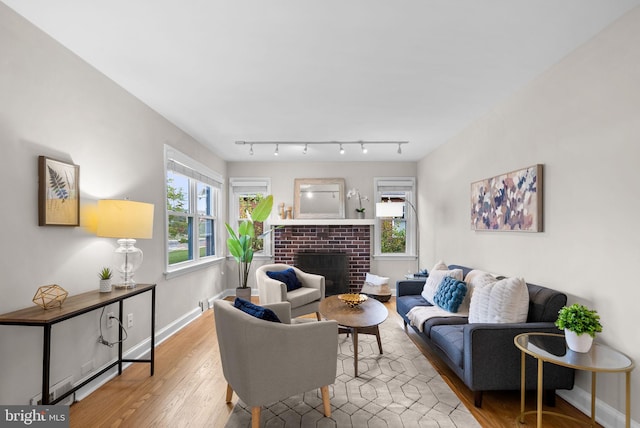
(240,243)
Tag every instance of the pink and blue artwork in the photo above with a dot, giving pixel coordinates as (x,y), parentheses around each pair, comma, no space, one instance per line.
(508,202)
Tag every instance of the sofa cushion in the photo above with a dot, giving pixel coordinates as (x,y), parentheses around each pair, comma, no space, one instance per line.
(255,310)
(302,296)
(405,303)
(450,339)
(434,279)
(287,276)
(450,294)
(504,301)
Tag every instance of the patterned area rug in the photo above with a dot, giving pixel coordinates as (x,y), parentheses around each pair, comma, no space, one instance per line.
(399,388)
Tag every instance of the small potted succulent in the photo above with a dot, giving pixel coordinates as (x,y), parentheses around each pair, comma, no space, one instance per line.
(580,326)
(105,279)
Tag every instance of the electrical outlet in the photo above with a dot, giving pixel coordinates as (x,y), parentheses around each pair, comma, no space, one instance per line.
(110,319)
(129,320)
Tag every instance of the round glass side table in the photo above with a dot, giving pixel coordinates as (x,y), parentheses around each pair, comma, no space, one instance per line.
(552,348)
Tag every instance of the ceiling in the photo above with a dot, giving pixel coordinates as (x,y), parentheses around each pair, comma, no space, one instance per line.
(331,70)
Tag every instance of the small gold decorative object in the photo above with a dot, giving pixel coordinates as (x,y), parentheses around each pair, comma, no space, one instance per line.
(50,296)
(353,299)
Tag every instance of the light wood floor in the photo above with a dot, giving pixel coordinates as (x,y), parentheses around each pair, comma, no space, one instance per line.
(188,389)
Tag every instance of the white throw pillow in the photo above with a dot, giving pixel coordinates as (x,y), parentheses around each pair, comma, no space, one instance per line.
(475,278)
(375,279)
(440,266)
(434,279)
(504,301)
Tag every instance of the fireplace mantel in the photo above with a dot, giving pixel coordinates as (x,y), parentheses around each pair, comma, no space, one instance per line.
(324,222)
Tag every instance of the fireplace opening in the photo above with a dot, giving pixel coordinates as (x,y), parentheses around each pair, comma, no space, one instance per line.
(333,266)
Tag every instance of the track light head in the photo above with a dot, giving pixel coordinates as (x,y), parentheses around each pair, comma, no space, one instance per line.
(251,150)
(341,149)
(277,152)
(364,149)
(304,152)
(399,148)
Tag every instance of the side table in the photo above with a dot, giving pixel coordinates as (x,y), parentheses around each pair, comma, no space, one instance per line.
(552,348)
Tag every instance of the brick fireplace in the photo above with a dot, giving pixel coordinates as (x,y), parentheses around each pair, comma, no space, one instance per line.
(354,240)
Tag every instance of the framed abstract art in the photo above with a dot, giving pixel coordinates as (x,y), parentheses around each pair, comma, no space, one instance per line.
(58,193)
(508,202)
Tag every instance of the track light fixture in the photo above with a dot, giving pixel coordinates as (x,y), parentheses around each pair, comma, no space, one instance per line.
(306,144)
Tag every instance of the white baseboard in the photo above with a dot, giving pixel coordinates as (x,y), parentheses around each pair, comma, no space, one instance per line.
(605,414)
(141,350)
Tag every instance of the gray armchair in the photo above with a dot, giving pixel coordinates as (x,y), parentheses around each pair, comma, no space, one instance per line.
(305,300)
(265,362)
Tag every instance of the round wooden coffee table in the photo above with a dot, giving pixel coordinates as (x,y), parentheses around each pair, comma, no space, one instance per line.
(363,319)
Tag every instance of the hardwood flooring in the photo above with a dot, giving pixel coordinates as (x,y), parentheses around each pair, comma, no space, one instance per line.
(188,389)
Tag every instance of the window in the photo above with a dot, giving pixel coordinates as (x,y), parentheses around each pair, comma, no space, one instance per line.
(396,235)
(244,195)
(193,199)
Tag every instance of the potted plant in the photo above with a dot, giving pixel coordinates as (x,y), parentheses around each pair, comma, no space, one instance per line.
(355,193)
(105,279)
(240,243)
(580,326)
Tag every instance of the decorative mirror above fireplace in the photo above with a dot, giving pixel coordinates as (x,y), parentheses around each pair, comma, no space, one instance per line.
(319,197)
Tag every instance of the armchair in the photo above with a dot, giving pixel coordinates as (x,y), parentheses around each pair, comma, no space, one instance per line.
(303,300)
(265,362)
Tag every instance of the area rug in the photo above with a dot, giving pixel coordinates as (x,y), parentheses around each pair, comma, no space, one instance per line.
(399,388)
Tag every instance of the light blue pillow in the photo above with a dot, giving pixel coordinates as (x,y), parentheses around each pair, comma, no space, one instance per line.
(450,294)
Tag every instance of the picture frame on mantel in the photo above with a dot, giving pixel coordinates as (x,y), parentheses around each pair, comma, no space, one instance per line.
(510,202)
(58,193)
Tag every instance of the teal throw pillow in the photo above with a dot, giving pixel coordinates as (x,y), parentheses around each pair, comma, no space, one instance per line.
(288,276)
(450,294)
(255,310)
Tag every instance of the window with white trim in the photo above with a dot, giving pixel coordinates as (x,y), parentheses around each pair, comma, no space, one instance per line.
(244,195)
(193,201)
(396,236)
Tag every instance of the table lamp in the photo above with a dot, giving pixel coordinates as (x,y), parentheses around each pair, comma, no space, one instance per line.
(128,221)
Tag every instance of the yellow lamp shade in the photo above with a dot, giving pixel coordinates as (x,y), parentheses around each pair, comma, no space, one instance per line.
(125,219)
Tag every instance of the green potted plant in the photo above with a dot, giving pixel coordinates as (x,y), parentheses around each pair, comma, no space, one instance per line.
(580,326)
(240,243)
(105,279)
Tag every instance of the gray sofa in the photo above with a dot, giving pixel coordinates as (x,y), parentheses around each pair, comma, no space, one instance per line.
(484,355)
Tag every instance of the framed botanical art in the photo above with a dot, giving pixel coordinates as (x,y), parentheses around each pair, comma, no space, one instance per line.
(508,202)
(58,193)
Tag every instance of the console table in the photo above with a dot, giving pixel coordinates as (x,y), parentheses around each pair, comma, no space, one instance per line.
(552,348)
(73,307)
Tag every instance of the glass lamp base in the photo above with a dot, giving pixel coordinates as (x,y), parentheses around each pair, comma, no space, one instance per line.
(127,259)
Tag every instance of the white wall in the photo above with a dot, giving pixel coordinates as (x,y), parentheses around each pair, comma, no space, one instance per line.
(356,174)
(581,119)
(56,105)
